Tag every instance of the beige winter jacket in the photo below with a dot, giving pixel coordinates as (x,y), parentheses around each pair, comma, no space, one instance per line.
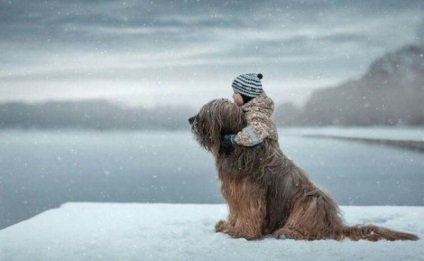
(258,113)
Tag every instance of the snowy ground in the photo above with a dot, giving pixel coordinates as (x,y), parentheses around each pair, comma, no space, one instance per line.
(96,231)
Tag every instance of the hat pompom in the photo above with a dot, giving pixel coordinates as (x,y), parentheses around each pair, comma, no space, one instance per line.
(260,76)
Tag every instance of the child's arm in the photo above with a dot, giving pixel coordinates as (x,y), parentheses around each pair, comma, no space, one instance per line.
(252,135)
(248,137)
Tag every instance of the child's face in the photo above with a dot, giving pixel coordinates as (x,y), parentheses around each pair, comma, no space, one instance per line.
(238,99)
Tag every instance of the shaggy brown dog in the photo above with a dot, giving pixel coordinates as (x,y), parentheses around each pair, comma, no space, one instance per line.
(266,192)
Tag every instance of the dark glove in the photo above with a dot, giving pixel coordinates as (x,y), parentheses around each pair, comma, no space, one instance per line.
(228,143)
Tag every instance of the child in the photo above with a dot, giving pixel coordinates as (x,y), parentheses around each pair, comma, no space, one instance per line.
(258,109)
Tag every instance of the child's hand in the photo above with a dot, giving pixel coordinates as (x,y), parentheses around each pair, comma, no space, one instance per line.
(228,143)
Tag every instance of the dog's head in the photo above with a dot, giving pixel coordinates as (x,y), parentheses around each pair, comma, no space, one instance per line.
(214,120)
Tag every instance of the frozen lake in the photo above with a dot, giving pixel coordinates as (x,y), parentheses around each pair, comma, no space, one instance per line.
(41,170)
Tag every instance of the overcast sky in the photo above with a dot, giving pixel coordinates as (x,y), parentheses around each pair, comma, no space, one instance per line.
(188,52)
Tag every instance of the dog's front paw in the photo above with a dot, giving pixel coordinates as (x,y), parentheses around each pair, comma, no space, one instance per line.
(221,226)
(248,235)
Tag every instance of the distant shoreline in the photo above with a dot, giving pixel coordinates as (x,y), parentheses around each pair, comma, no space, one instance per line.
(405,144)
(399,142)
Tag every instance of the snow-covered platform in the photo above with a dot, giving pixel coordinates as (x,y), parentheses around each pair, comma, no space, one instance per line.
(96,231)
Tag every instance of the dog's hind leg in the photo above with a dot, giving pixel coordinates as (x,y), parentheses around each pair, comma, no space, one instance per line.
(314,216)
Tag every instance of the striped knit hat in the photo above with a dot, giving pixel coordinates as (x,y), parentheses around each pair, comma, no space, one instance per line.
(248,84)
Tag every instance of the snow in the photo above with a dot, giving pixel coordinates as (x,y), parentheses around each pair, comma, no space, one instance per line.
(106,231)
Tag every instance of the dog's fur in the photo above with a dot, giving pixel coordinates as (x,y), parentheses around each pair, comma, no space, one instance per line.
(266,192)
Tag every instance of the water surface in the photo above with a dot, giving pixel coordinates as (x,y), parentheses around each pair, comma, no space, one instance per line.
(44,169)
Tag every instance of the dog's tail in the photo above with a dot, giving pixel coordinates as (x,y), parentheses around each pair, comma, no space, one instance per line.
(375,233)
